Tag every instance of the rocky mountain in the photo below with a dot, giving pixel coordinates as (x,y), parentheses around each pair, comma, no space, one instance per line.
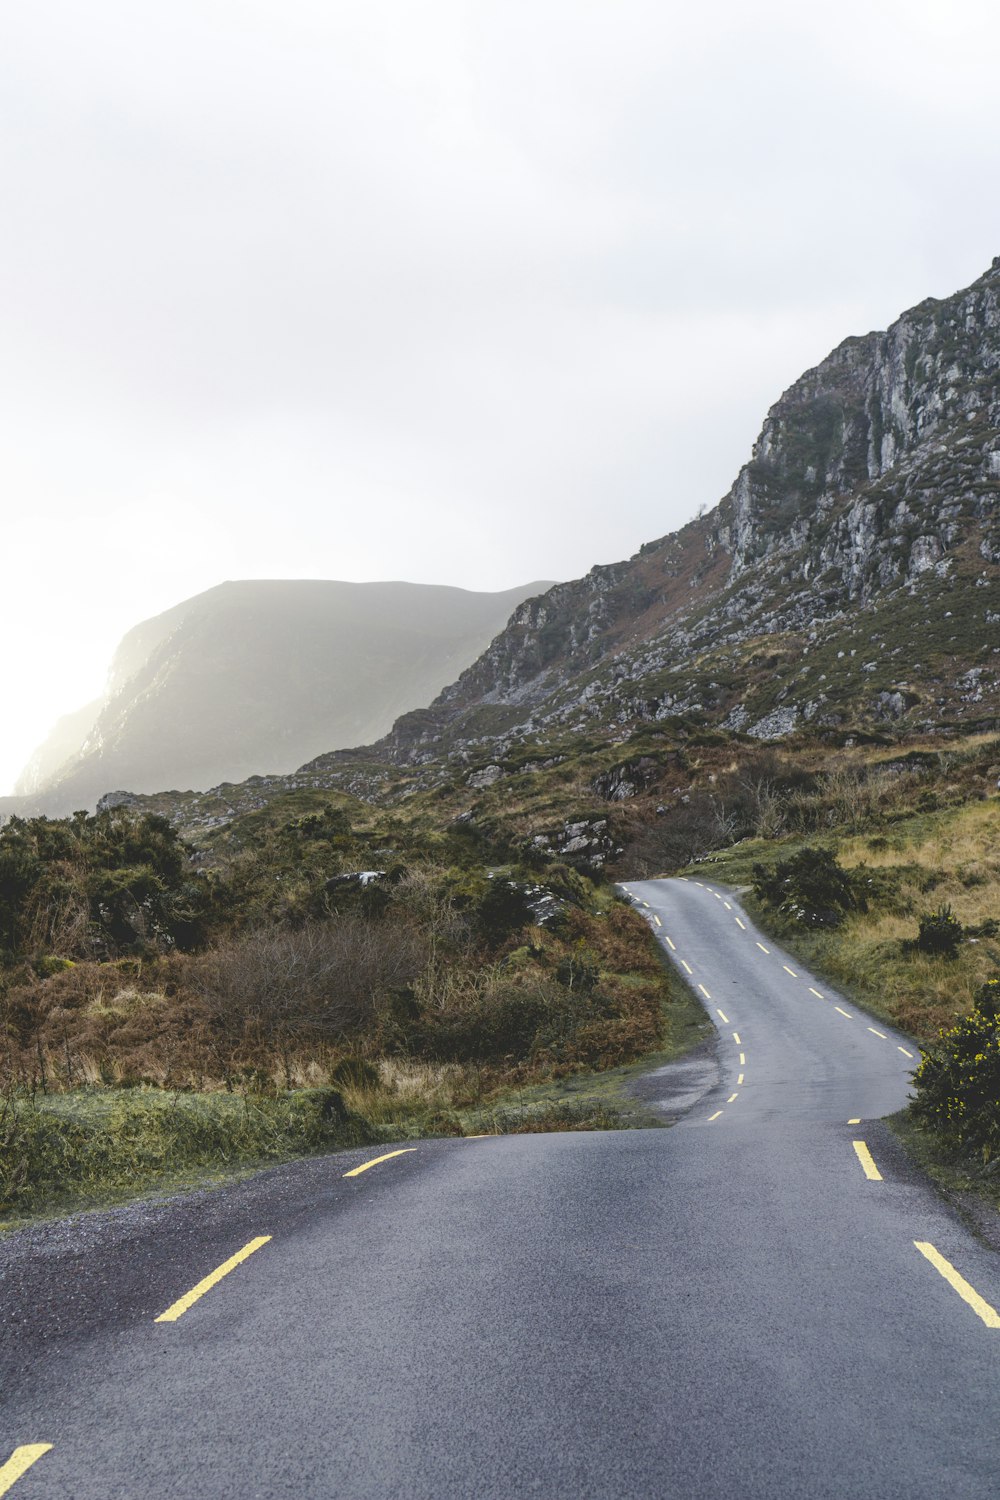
(846,589)
(848,580)
(261,676)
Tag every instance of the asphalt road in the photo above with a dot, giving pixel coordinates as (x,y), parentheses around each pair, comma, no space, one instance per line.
(731,1307)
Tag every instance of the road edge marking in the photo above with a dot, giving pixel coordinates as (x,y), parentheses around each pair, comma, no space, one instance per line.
(179,1308)
(958,1283)
(357,1171)
(20,1462)
(867,1161)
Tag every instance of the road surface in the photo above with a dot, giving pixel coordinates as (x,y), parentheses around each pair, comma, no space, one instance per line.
(734,1307)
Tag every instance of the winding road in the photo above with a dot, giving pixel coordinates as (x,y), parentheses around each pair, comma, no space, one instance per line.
(765,1301)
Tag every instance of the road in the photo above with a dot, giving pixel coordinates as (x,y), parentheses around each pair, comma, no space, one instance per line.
(734,1307)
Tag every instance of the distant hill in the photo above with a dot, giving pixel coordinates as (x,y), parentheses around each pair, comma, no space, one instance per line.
(260,677)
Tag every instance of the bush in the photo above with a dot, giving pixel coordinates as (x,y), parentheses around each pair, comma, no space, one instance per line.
(958,1083)
(940,933)
(811,888)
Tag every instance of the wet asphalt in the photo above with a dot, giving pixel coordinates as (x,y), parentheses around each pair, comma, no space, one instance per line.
(730,1307)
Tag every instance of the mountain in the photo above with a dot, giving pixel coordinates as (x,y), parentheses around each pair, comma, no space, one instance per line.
(846,589)
(261,676)
(847,582)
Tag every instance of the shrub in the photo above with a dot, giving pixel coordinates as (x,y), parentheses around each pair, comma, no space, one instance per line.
(811,888)
(940,933)
(958,1083)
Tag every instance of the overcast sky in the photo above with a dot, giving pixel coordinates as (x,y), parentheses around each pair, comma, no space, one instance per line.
(466,293)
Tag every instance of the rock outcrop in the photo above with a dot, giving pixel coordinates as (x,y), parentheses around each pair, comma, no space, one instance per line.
(848,577)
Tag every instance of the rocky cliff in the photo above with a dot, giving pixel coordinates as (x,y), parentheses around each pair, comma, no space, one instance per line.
(848,578)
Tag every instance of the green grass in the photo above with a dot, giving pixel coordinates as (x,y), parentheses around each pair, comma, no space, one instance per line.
(94,1147)
(957,1175)
(927,858)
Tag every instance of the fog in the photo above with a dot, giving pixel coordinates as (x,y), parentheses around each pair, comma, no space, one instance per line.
(459,293)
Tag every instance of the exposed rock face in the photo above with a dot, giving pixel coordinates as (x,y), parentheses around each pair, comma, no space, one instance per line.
(850,574)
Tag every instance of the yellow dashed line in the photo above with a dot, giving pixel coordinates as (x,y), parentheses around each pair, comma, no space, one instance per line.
(704,992)
(864,1156)
(844,1013)
(740,1078)
(736,1038)
(687,966)
(878,1033)
(789,971)
(722,1015)
(657,921)
(743,1061)
(815,992)
(646,904)
(968,1294)
(762,948)
(179,1308)
(718,1112)
(731,1098)
(669,943)
(20,1462)
(904,1051)
(727,906)
(856,1121)
(739,923)
(356,1171)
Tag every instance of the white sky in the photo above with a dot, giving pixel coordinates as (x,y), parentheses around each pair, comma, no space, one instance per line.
(465,293)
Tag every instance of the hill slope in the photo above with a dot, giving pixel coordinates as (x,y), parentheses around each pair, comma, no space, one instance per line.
(261,676)
(848,578)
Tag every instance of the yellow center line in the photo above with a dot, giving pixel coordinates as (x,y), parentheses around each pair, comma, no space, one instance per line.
(762,948)
(710,889)
(698,882)
(740,1079)
(356,1171)
(968,1294)
(878,1033)
(736,1038)
(722,1015)
(718,1112)
(687,966)
(20,1462)
(789,971)
(843,1013)
(904,1051)
(716,895)
(669,943)
(731,1098)
(815,992)
(743,1061)
(864,1156)
(739,923)
(645,903)
(657,921)
(704,992)
(855,1121)
(727,906)
(178,1308)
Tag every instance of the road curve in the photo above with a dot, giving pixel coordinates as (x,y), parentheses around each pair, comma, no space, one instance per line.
(732,1307)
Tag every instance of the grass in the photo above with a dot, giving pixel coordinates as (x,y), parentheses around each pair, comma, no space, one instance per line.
(97,1146)
(964,1180)
(952,856)
(90,1147)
